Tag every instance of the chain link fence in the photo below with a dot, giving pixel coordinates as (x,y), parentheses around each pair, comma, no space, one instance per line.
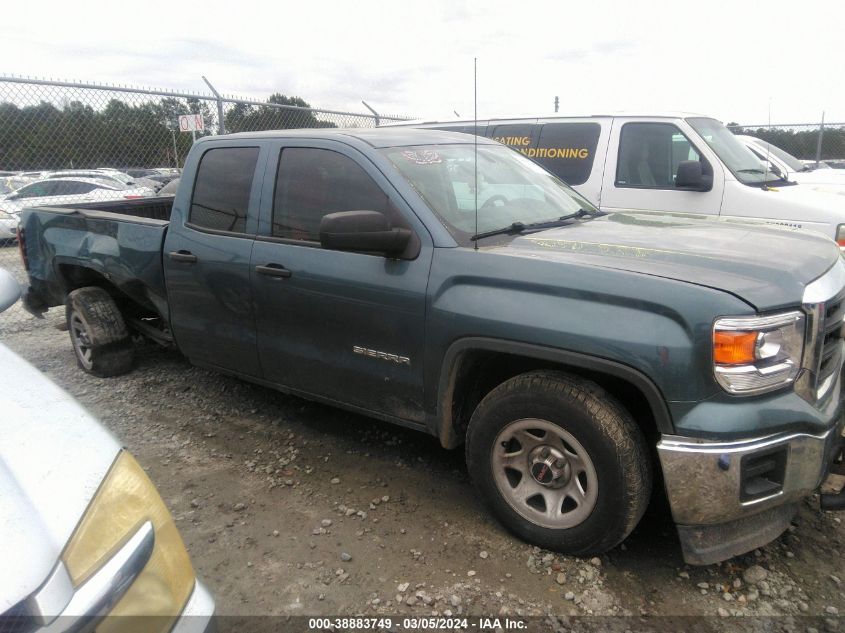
(71,142)
(74,143)
(811,143)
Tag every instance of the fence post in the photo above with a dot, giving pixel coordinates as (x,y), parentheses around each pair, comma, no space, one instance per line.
(819,143)
(221,126)
(367,105)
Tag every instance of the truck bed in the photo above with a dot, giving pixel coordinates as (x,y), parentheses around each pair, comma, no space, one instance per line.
(149,208)
(118,240)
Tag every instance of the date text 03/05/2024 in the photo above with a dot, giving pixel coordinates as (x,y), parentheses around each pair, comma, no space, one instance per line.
(418,623)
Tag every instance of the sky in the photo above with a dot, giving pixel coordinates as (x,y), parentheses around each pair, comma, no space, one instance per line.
(745,62)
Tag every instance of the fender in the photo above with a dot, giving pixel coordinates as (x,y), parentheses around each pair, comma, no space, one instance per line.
(442,426)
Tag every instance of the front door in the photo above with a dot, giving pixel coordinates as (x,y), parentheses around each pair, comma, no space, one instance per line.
(643,159)
(345,326)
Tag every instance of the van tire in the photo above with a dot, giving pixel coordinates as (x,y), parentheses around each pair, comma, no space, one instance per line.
(580,451)
(98,333)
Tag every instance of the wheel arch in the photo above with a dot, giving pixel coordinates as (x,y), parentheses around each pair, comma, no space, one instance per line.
(472,367)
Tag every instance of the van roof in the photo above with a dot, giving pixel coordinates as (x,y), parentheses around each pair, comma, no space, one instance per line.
(376,137)
(655,114)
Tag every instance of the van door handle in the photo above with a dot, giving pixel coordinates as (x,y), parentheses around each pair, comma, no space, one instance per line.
(182,256)
(273,270)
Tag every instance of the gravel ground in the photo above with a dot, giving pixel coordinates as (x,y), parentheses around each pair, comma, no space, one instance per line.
(292,508)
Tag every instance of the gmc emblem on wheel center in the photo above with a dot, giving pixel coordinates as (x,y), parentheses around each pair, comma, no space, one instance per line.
(374,353)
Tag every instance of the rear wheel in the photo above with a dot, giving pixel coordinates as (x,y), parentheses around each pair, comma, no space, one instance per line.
(559,462)
(98,332)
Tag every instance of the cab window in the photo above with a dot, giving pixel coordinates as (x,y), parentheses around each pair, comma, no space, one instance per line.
(649,155)
(311,183)
(221,192)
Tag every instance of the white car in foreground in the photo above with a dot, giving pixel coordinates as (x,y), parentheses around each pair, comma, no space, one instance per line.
(84,533)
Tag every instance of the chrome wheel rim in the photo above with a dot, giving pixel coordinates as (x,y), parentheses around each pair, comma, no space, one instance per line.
(81,340)
(544,473)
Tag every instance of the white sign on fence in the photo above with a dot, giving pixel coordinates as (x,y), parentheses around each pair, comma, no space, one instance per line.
(191,123)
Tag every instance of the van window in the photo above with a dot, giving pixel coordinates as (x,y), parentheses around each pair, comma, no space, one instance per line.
(649,155)
(520,136)
(311,183)
(568,150)
(221,191)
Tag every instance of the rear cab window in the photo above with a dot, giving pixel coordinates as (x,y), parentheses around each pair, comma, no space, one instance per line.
(222,188)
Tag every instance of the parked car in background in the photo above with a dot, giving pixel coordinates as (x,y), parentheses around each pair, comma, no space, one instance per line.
(658,162)
(68,191)
(816,165)
(109,175)
(85,534)
(170,188)
(154,172)
(791,169)
(8,228)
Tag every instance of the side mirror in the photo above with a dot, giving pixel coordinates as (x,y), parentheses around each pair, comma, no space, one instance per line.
(362,231)
(690,176)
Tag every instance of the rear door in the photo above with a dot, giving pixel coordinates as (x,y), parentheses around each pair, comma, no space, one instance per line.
(207,259)
(642,163)
(344,326)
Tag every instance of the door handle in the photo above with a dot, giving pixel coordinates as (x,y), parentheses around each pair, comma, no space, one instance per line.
(182,256)
(273,270)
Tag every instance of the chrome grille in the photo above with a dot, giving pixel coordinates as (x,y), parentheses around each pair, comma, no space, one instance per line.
(831,350)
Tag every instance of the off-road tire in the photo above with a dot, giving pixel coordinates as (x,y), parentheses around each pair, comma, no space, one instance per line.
(107,349)
(599,424)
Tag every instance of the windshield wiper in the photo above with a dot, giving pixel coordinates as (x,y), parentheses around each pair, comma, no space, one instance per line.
(519,227)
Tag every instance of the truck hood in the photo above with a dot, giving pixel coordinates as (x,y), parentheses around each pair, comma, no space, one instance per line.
(53,457)
(766,267)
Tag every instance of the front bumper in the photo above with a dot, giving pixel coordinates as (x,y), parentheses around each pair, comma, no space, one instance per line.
(728,498)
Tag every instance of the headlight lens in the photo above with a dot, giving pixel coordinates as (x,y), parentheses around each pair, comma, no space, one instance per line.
(125,500)
(757,354)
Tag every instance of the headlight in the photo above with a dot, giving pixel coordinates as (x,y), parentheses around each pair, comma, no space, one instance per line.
(126,500)
(757,354)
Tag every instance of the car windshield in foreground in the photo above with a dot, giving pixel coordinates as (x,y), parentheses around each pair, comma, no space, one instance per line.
(737,157)
(512,190)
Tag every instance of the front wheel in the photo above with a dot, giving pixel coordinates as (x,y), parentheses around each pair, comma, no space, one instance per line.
(559,462)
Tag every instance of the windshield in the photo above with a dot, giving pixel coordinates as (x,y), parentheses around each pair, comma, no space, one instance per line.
(737,157)
(788,159)
(511,188)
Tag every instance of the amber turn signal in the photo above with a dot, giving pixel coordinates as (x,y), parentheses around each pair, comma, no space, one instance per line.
(734,348)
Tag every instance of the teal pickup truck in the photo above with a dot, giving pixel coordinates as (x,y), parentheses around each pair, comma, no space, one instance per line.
(461,290)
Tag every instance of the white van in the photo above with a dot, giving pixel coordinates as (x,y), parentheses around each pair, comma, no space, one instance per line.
(672,162)
(785,165)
